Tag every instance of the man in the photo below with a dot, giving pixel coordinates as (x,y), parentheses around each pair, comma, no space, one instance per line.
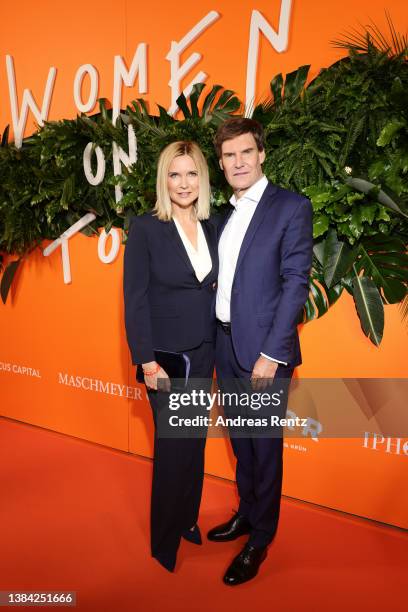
(265,252)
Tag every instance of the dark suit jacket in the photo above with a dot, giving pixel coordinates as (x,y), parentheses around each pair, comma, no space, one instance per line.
(166,307)
(270,284)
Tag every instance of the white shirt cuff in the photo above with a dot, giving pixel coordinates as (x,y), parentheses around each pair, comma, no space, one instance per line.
(273,359)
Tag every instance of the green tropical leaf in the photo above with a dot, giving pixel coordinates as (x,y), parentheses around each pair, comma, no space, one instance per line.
(183,106)
(295,82)
(7,278)
(226,105)
(194,97)
(320,225)
(321,297)
(4,139)
(146,124)
(389,130)
(367,187)
(102,108)
(354,130)
(318,251)
(388,270)
(338,259)
(165,118)
(276,88)
(372,39)
(369,307)
(209,99)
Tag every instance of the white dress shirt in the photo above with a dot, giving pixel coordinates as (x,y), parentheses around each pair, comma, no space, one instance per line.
(230,245)
(200,259)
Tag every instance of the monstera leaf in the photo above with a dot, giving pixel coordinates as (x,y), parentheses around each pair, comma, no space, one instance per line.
(139,113)
(290,89)
(385,261)
(321,297)
(213,109)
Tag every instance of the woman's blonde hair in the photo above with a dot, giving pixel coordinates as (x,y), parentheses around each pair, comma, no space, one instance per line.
(162,208)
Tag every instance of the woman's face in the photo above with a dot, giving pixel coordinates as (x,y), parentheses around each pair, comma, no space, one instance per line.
(182,181)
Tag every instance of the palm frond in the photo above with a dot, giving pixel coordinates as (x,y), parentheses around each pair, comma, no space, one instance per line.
(393,44)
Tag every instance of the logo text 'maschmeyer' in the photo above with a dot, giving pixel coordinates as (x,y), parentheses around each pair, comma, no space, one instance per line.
(99,386)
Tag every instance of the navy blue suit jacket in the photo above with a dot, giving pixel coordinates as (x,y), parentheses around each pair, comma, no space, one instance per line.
(166,307)
(270,285)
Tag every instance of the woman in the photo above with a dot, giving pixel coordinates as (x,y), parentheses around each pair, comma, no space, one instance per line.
(170,273)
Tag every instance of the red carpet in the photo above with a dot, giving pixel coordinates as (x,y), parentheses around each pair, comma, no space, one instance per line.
(75,516)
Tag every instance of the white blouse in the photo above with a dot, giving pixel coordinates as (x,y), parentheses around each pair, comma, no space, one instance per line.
(200,259)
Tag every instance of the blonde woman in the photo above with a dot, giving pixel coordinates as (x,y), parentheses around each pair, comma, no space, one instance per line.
(170,273)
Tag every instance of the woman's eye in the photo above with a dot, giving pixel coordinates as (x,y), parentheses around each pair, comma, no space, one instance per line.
(193,173)
(172,174)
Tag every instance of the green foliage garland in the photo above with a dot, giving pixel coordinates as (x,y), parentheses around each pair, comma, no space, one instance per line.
(342,140)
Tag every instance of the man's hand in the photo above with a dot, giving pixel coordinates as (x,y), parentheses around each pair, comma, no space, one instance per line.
(263,373)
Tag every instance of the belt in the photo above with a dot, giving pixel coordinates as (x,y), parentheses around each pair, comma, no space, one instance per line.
(226,327)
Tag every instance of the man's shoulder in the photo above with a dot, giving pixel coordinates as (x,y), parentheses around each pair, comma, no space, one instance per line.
(285,198)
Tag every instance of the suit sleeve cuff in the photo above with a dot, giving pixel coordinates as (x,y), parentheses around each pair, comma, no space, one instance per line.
(273,359)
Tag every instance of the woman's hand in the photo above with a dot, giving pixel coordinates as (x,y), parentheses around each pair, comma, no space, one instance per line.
(152,373)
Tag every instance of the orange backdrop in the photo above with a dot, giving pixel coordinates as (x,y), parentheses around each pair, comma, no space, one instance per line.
(72,337)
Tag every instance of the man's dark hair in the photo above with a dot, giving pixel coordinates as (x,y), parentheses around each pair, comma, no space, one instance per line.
(235,127)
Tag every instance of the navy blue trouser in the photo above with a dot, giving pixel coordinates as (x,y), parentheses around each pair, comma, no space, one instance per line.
(259,459)
(178,471)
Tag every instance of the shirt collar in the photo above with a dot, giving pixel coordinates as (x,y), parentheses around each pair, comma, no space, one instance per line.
(253,194)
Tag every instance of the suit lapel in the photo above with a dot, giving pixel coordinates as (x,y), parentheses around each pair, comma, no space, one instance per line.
(210,235)
(178,243)
(256,220)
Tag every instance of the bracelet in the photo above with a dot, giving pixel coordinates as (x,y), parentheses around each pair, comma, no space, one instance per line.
(151,372)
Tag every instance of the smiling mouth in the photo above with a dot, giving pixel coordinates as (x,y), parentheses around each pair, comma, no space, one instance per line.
(184,195)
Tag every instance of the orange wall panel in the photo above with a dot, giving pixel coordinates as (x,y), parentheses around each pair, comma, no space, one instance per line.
(78,329)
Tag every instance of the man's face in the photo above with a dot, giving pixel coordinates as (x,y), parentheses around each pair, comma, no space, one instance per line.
(241,162)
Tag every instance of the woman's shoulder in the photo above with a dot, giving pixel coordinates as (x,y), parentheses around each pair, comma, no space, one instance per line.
(143,218)
(145,221)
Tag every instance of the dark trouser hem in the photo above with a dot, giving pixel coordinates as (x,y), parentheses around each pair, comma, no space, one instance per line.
(178,474)
(167,560)
(259,459)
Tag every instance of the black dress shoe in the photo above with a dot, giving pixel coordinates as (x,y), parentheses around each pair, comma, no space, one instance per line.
(193,535)
(245,566)
(237,526)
